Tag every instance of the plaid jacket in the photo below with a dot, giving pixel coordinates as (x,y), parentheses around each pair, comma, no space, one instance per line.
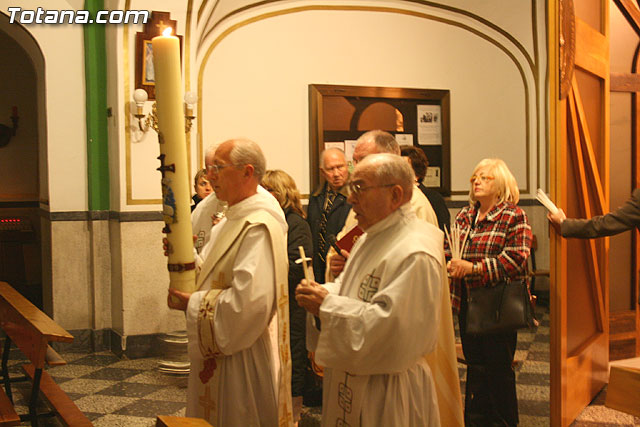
(501,242)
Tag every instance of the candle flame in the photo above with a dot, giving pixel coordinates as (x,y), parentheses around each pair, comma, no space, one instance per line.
(167,32)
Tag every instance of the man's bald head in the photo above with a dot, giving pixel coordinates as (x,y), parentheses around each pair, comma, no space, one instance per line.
(241,151)
(235,168)
(387,169)
(381,184)
(375,142)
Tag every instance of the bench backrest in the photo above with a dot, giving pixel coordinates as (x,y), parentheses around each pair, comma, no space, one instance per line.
(29,328)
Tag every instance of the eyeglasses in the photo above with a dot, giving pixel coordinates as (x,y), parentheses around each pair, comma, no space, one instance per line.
(482,178)
(357,189)
(217,168)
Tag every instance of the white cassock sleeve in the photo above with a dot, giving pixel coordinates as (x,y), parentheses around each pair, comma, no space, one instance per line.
(243,311)
(389,333)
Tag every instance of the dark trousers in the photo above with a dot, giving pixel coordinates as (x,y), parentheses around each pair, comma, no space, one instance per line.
(297,341)
(490,397)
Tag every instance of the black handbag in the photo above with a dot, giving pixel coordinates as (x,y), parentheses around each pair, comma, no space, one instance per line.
(504,307)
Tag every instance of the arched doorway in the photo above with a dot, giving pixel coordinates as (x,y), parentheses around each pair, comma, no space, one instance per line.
(23,171)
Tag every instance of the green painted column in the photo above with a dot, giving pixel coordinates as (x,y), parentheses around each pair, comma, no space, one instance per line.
(95,70)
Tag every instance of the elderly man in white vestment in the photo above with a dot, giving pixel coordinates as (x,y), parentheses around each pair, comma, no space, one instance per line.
(376,142)
(380,317)
(210,208)
(443,359)
(235,379)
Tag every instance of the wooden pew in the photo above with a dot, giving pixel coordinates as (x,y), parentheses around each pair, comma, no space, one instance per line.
(8,415)
(168,421)
(31,331)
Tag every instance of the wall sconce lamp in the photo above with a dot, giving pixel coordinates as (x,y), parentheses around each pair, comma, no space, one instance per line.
(7,132)
(151,121)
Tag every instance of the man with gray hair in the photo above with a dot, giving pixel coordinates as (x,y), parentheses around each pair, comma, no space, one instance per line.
(372,142)
(388,297)
(236,379)
(328,207)
(210,210)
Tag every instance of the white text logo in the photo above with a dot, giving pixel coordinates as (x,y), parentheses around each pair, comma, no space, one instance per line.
(41,16)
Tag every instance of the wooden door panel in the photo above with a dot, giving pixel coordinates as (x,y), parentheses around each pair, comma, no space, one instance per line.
(592,52)
(579,333)
(586,375)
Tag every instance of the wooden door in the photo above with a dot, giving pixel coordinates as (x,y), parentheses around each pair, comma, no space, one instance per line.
(579,125)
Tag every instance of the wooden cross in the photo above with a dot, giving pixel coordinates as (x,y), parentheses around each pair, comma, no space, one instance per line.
(206,402)
(308,274)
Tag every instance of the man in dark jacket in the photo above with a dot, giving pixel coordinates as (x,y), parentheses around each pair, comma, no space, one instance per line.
(328,207)
(626,217)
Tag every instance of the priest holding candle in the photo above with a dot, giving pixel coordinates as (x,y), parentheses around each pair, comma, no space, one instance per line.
(236,378)
(240,367)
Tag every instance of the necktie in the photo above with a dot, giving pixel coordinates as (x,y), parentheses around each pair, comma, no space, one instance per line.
(322,230)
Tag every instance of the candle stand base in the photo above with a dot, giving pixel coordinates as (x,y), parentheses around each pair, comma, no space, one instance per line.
(174,359)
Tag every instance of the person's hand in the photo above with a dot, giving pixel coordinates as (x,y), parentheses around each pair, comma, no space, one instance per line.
(178,300)
(216,218)
(556,219)
(310,296)
(458,268)
(337,262)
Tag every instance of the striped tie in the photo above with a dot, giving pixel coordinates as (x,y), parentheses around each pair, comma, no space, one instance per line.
(322,232)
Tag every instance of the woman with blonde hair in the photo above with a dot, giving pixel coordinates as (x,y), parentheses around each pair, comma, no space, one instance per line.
(497,248)
(283,188)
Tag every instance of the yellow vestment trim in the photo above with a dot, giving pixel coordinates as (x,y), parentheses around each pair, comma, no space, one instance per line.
(222,255)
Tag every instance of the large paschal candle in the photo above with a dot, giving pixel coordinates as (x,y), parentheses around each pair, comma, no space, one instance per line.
(176,197)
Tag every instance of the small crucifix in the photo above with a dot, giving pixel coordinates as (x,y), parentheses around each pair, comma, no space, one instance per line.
(164,168)
(308,273)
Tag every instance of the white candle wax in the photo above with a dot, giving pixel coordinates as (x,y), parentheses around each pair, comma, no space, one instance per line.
(173,152)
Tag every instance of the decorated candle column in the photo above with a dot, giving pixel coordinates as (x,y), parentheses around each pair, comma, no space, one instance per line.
(176,196)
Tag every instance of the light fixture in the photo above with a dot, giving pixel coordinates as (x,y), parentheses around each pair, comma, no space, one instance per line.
(151,121)
(190,100)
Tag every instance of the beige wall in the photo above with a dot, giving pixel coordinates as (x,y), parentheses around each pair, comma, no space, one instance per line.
(251,71)
(623,44)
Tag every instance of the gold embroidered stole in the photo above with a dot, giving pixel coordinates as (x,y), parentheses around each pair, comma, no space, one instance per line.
(443,362)
(219,264)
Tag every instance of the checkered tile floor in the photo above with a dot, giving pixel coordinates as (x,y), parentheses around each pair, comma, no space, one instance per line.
(115,392)
(532,373)
(111,391)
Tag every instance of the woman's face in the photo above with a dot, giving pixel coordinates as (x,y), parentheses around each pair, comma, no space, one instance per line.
(203,188)
(483,185)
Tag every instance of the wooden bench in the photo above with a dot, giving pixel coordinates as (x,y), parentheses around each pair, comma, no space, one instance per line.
(167,421)
(31,331)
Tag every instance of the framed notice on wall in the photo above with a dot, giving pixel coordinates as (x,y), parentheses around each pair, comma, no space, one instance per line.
(418,117)
(429,125)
